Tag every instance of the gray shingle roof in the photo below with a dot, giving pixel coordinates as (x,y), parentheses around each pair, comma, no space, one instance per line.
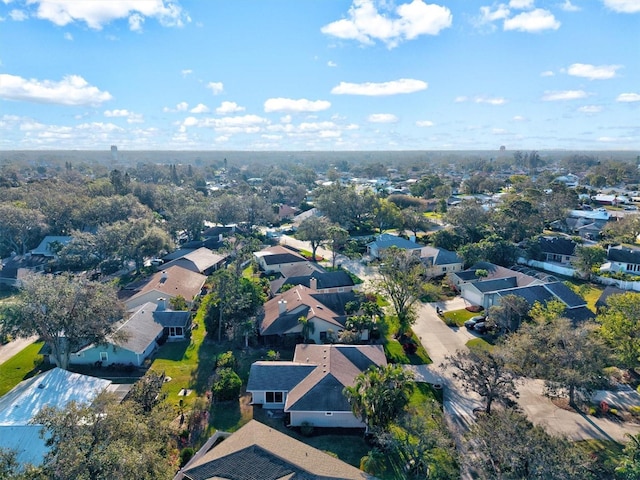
(624,255)
(277,376)
(565,294)
(486,286)
(557,245)
(387,241)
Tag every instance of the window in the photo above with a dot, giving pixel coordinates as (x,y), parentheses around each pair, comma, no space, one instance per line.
(104,356)
(328,414)
(273,397)
(444,269)
(323,336)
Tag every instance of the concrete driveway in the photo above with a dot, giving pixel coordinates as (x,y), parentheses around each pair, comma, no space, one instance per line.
(441,340)
(14,347)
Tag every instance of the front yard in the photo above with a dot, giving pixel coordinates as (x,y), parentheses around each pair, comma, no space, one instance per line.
(21,366)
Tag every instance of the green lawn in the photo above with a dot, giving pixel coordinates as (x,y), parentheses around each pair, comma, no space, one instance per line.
(21,366)
(396,354)
(606,452)
(480,344)
(458,317)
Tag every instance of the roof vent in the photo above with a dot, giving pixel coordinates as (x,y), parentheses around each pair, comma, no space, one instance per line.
(41,386)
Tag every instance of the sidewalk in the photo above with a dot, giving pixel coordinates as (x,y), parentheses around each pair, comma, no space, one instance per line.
(14,347)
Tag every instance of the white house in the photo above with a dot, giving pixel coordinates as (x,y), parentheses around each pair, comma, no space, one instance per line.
(310,387)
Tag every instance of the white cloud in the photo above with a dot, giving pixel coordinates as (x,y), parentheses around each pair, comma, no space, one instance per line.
(68,36)
(519,118)
(394,87)
(200,108)
(186,72)
(180,107)
(564,95)
(331,64)
(623,6)
(229,107)
(407,21)
(567,6)
(228,125)
(71,90)
(481,99)
(216,87)
(425,123)
(135,22)
(285,119)
(521,4)
(602,72)
(590,109)
(18,15)
(499,131)
(291,105)
(547,73)
(488,15)
(534,21)
(382,118)
(628,97)
(123,113)
(97,13)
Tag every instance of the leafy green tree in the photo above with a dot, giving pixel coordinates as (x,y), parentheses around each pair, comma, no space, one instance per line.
(569,358)
(226,384)
(517,219)
(337,239)
(314,230)
(485,373)
(629,463)
(308,327)
(402,274)
(66,312)
(414,221)
(588,258)
(418,445)
(470,219)
(491,249)
(447,238)
(106,440)
(386,214)
(506,445)
(379,394)
(509,314)
(620,327)
(21,227)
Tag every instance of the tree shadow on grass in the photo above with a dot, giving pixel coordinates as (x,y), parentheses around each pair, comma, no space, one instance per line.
(174,351)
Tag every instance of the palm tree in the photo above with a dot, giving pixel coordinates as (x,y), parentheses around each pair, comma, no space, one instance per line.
(307,327)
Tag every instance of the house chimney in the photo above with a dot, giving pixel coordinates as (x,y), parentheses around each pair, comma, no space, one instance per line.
(162,304)
(313,283)
(282,306)
(164,276)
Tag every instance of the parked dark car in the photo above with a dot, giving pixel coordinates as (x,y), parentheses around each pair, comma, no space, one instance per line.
(481,327)
(473,321)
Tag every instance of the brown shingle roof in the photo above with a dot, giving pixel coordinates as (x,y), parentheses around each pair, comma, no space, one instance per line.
(173,281)
(258,452)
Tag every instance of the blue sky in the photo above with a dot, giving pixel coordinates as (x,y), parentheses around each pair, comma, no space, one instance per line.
(320,74)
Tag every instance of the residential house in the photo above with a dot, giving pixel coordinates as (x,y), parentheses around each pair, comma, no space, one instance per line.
(324,282)
(50,245)
(602,301)
(622,260)
(287,212)
(17,266)
(201,260)
(257,451)
(385,241)
(281,315)
(54,388)
(557,249)
(440,261)
(310,388)
(137,337)
(276,258)
(493,272)
(168,283)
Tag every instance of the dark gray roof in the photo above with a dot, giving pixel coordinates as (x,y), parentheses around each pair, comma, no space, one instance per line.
(446,257)
(324,280)
(486,286)
(277,376)
(387,240)
(467,275)
(532,294)
(557,245)
(624,255)
(279,258)
(172,318)
(335,301)
(565,294)
(578,315)
(285,322)
(606,293)
(326,395)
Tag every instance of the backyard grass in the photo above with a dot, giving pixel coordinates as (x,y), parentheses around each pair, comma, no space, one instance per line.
(606,452)
(458,317)
(21,366)
(592,295)
(480,344)
(396,354)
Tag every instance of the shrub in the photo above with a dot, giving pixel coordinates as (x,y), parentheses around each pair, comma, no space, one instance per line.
(227,384)
(226,360)
(635,410)
(272,355)
(409,348)
(593,411)
(185,455)
(306,429)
